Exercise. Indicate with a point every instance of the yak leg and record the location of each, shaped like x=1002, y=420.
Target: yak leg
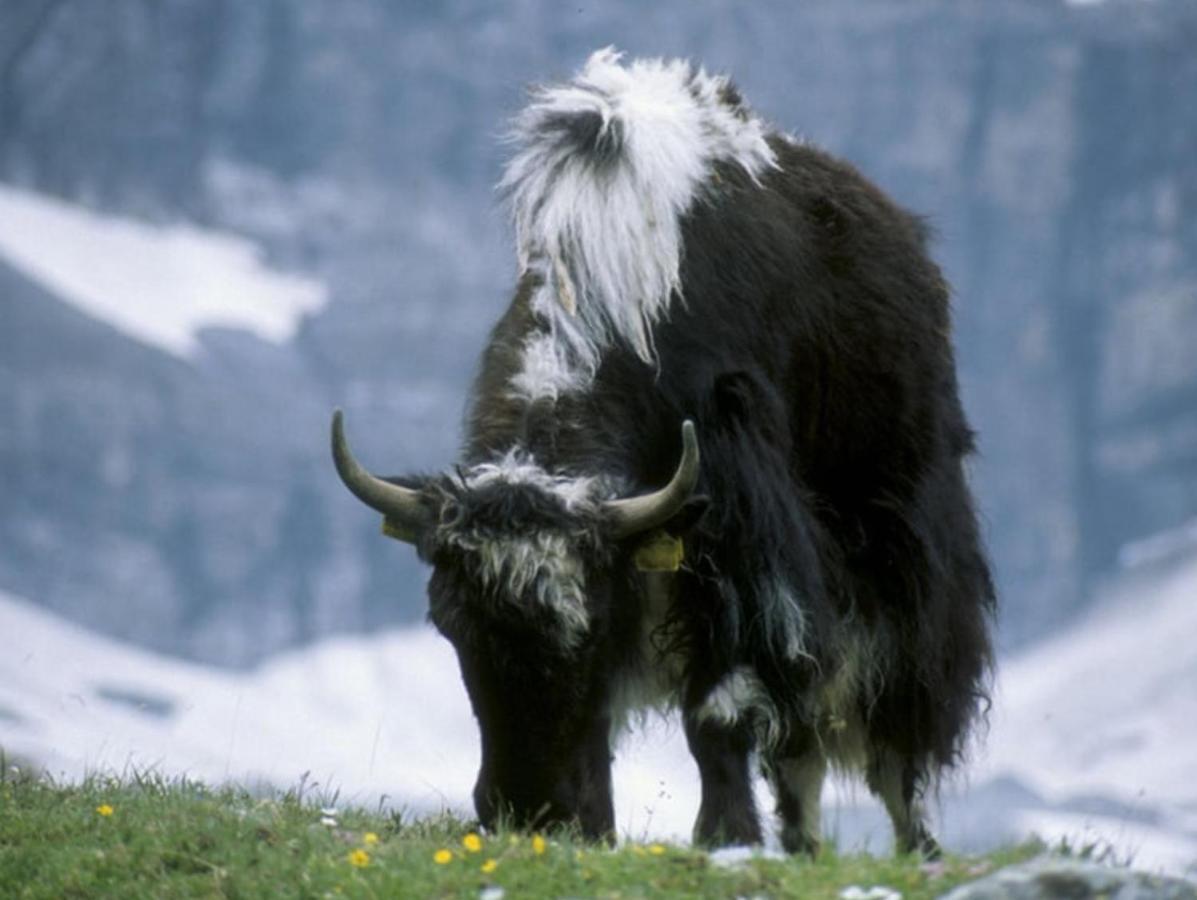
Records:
x=727, y=814
x=796, y=773
x=897, y=782
x=595, y=806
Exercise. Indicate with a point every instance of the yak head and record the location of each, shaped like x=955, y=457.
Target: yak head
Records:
x=530, y=584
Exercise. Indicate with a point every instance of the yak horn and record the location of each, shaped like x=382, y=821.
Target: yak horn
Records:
x=634, y=515
x=400, y=505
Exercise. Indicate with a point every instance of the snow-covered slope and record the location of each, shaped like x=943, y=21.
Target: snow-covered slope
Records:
x=159, y=284
x=370, y=717
x=1101, y=722
x=1094, y=736
x=1085, y=711
x=378, y=716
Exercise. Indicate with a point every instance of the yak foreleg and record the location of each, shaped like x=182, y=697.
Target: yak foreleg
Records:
x=727, y=814
x=796, y=772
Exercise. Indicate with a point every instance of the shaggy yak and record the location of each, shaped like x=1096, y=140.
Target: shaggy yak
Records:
x=812, y=589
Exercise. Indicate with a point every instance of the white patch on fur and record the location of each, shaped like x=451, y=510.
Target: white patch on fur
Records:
x=605, y=235
x=543, y=565
x=547, y=371
x=547, y=565
x=739, y=691
x=741, y=694
x=518, y=467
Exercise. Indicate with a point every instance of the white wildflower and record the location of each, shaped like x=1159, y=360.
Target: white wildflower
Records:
x=876, y=892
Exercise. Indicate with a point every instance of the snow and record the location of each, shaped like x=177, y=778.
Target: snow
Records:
x=370, y=717
x=1107, y=712
x=1088, y=707
x=159, y=284
x=1093, y=738
x=1160, y=547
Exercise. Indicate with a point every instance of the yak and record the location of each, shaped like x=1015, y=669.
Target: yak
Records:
x=811, y=589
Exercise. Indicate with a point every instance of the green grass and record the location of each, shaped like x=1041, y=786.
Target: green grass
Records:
x=180, y=839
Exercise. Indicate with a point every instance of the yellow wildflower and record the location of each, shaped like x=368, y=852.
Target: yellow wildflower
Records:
x=472, y=842
x=538, y=844
x=637, y=849
x=489, y=866
x=370, y=838
x=359, y=858
x=105, y=810
x=442, y=856
x=656, y=849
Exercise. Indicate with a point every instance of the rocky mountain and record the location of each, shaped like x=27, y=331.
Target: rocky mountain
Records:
x=187, y=503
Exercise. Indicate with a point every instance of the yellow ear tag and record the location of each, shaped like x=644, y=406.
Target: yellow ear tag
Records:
x=662, y=552
x=393, y=529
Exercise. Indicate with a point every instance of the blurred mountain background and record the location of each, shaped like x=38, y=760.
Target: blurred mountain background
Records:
x=166, y=480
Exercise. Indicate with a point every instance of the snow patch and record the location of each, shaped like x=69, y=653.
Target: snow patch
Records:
x=1159, y=547
x=1101, y=721
x=159, y=284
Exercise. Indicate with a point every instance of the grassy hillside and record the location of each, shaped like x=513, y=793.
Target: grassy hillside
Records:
x=143, y=836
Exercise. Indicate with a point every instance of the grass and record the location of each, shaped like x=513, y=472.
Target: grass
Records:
x=146, y=836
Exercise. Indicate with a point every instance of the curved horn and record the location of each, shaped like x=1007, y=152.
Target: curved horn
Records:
x=637, y=514
x=400, y=505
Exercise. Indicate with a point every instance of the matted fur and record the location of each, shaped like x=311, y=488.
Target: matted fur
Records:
x=541, y=563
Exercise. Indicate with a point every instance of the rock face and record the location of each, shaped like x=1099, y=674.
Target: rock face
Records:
x=1050, y=145
x=1051, y=878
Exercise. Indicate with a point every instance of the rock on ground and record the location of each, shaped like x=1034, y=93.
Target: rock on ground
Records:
x=1054, y=878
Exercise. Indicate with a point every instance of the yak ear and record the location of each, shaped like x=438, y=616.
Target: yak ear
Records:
x=687, y=518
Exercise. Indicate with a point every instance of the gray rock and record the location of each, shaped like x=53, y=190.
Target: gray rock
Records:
x=1071, y=879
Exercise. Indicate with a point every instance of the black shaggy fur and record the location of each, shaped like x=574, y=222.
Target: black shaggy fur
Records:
x=811, y=347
